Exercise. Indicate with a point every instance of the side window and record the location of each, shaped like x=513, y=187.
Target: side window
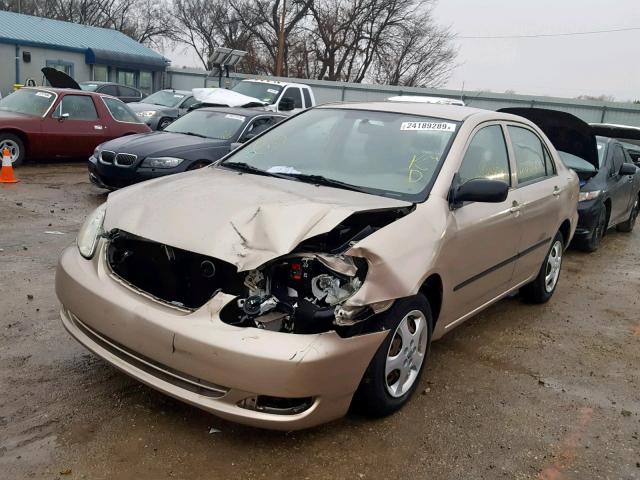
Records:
x=530, y=155
x=294, y=94
x=307, y=98
x=259, y=125
x=127, y=92
x=120, y=111
x=486, y=157
x=548, y=162
x=188, y=102
x=109, y=90
x=618, y=160
x=78, y=107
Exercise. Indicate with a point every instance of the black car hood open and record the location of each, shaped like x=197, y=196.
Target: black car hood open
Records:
x=566, y=132
x=58, y=79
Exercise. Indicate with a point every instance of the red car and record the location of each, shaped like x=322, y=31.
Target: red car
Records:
x=61, y=123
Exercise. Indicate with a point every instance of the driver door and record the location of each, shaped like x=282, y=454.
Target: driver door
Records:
x=620, y=186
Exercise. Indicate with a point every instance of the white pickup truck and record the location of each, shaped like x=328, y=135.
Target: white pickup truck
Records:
x=272, y=95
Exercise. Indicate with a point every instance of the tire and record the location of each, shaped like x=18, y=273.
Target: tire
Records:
x=593, y=242
x=380, y=394
x=198, y=164
x=631, y=221
x=541, y=289
x=164, y=123
x=16, y=147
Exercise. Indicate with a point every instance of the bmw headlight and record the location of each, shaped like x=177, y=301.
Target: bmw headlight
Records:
x=87, y=238
x=147, y=113
x=585, y=196
x=161, y=162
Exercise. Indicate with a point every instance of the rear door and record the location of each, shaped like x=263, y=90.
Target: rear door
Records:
x=537, y=196
x=73, y=128
x=620, y=187
x=484, y=242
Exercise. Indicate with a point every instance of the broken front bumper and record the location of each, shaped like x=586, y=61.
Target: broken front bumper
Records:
x=195, y=357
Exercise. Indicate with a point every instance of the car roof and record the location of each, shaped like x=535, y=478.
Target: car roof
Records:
x=64, y=91
x=245, y=112
x=274, y=82
x=181, y=92
x=450, y=112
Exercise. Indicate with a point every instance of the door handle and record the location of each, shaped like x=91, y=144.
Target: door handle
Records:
x=515, y=207
x=556, y=191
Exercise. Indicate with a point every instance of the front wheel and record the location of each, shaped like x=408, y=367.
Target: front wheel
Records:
x=541, y=289
x=394, y=372
x=164, y=123
x=14, y=144
x=631, y=221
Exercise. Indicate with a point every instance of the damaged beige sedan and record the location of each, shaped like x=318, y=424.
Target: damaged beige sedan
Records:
x=312, y=268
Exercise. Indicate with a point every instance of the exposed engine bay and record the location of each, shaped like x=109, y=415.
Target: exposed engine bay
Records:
x=298, y=293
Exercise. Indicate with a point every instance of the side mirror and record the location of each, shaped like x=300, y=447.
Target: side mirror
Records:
x=235, y=145
x=63, y=117
x=246, y=137
x=286, y=104
x=627, y=169
x=479, y=190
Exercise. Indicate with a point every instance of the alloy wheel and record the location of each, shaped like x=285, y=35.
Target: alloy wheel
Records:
x=406, y=353
x=14, y=149
x=552, y=270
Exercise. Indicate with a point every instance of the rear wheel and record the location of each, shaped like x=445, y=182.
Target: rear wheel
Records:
x=394, y=372
x=542, y=288
x=631, y=221
x=15, y=146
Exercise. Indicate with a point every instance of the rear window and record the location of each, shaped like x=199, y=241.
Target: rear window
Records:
x=119, y=110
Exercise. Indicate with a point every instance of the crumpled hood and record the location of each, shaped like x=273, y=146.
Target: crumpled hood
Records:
x=222, y=96
x=243, y=219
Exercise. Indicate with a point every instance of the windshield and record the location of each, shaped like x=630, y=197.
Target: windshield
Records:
x=217, y=125
x=387, y=154
x=89, y=87
x=602, y=150
x=164, y=98
x=28, y=101
x=262, y=91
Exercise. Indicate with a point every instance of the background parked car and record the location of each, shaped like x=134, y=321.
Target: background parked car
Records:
x=162, y=107
x=193, y=141
x=61, y=123
x=124, y=93
x=609, y=181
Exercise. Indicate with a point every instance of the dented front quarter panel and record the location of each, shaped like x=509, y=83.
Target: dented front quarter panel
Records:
x=243, y=219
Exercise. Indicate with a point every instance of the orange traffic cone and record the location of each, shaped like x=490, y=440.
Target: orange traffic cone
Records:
x=6, y=174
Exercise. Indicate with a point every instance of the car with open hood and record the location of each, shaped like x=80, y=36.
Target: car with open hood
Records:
x=49, y=123
x=609, y=180
x=313, y=266
x=161, y=108
x=193, y=141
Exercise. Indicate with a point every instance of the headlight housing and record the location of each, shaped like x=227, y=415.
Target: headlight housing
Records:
x=147, y=113
x=585, y=196
x=161, y=162
x=87, y=238
x=96, y=151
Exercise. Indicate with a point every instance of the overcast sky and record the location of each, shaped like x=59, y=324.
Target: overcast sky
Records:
x=567, y=66
x=561, y=66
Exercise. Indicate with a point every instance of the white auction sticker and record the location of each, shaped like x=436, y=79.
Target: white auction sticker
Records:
x=177, y=95
x=430, y=126
x=240, y=118
x=43, y=94
x=271, y=90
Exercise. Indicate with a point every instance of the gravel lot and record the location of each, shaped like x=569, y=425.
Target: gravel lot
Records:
x=520, y=391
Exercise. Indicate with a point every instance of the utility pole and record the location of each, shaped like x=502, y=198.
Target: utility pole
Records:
x=280, y=59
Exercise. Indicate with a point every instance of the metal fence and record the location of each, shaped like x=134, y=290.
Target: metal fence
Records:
x=328, y=91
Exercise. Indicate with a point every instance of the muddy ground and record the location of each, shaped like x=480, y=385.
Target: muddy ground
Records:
x=549, y=392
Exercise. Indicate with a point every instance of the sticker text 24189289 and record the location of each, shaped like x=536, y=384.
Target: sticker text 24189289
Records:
x=431, y=126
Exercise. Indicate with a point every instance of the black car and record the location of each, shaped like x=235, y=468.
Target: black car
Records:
x=193, y=141
x=124, y=93
x=609, y=181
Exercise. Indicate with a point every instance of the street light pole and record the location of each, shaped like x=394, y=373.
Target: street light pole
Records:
x=280, y=59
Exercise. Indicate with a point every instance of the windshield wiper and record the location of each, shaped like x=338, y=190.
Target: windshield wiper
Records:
x=193, y=134
x=245, y=167
x=325, y=181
